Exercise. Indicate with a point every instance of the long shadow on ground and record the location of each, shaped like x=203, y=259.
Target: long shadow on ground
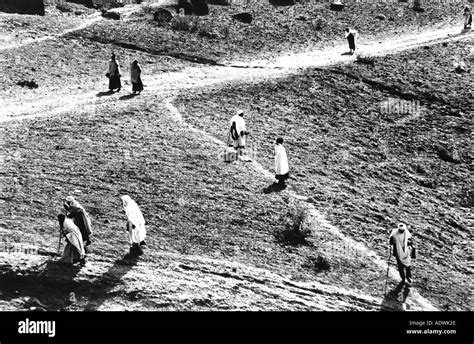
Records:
x=395, y=298
x=120, y=268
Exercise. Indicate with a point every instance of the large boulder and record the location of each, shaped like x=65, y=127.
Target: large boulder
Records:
x=336, y=6
x=218, y=2
x=87, y=3
x=243, y=17
x=111, y=14
x=22, y=6
x=200, y=7
x=184, y=7
x=197, y=7
x=282, y=2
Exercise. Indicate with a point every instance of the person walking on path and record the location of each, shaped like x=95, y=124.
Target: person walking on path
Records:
x=352, y=36
x=238, y=132
x=467, y=18
x=403, y=251
x=135, y=77
x=281, y=163
x=114, y=74
x=74, y=251
x=135, y=225
x=80, y=217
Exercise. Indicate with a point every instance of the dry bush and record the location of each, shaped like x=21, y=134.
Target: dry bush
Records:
x=366, y=59
x=185, y=23
x=296, y=229
x=317, y=264
x=319, y=23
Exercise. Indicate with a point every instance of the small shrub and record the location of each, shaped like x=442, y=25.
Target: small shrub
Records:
x=64, y=7
x=296, y=229
x=319, y=23
x=223, y=31
x=148, y=8
x=367, y=60
x=184, y=23
x=206, y=31
x=317, y=264
x=28, y=83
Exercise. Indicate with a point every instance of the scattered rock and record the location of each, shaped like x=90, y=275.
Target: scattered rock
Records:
x=460, y=67
x=282, y=2
x=317, y=264
x=381, y=17
x=218, y=2
x=456, y=224
x=185, y=8
x=243, y=17
x=336, y=6
x=449, y=155
x=23, y=6
x=28, y=83
x=427, y=183
x=162, y=16
x=200, y=7
x=417, y=7
x=111, y=14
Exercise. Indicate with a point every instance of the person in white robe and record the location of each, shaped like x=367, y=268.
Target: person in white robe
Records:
x=238, y=131
x=135, y=225
x=401, y=240
x=281, y=162
x=74, y=251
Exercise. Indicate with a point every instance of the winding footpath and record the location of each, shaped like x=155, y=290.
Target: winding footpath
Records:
x=310, y=295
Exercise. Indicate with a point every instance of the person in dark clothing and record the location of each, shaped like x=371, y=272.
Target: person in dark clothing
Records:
x=81, y=219
x=114, y=74
x=352, y=36
x=467, y=18
x=135, y=77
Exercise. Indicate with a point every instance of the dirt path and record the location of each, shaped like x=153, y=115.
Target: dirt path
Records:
x=318, y=222
x=191, y=277
x=168, y=84
x=87, y=22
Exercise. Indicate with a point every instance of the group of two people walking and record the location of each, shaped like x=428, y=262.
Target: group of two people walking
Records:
x=114, y=74
x=75, y=227
x=238, y=133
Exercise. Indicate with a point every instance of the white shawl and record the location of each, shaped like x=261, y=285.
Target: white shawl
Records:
x=73, y=234
x=135, y=218
x=281, y=160
x=401, y=244
x=239, y=124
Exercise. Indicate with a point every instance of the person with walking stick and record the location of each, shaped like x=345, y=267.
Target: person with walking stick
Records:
x=403, y=251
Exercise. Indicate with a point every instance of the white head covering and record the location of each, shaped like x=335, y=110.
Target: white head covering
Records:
x=401, y=226
x=132, y=211
x=401, y=243
x=135, y=217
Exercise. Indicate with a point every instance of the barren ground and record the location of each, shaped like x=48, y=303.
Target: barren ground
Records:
x=212, y=230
